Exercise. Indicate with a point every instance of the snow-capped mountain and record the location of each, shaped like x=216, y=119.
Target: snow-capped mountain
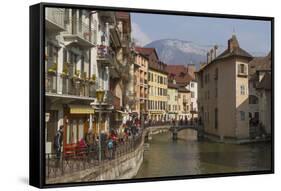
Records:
x=174, y=51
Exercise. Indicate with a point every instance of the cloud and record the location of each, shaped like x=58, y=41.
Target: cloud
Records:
x=140, y=37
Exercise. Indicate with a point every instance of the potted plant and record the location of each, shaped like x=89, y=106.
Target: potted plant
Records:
x=53, y=69
x=76, y=76
x=84, y=75
x=65, y=71
x=93, y=79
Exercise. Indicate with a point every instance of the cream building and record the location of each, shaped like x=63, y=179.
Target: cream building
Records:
x=173, y=103
x=80, y=49
x=223, y=93
x=184, y=102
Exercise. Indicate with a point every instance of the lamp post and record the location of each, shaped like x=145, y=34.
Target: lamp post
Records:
x=141, y=115
x=99, y=96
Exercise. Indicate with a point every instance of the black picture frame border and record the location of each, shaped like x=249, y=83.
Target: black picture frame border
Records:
x=37, y=94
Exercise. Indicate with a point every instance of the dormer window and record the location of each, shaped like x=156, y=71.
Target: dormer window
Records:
x=242, y=70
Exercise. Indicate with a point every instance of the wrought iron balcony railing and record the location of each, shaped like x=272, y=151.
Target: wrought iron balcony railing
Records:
x=66, y=85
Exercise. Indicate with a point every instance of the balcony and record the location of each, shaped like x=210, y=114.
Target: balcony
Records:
x=115, y=36
x=62, y=85
x=80, y=34
x=105, y=55
x=55, y=19
x=112, y=99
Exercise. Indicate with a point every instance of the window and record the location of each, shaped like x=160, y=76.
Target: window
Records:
x=80, y=20
x=216, y=74
x=242, y=90
x=192, y=95
x=192, y=85
x=242, y=69
x=253, y=99
x=242, y=115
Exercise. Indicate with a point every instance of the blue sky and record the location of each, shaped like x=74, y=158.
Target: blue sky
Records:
x=254, y=36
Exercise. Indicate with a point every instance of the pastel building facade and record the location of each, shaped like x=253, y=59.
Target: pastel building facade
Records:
x=223, y=93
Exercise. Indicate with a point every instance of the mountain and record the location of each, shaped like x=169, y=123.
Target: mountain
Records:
x=174, y=51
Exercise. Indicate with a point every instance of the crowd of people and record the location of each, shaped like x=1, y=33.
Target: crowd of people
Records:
x=109, y=141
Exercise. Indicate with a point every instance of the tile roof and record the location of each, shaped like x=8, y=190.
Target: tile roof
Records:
x=179, y=73
x=233, y=49
x=146, y=51
x=265, y=83
x=172, y=85
x=260, y=63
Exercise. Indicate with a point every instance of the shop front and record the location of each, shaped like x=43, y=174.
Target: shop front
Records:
x=78, y=121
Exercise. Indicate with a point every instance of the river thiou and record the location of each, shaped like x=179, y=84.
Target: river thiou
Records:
x=187, y=156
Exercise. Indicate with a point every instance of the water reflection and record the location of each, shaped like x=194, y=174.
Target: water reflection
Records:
x=186, y=156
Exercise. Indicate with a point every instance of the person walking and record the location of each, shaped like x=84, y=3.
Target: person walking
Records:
x=58, y=143
x=110, y=148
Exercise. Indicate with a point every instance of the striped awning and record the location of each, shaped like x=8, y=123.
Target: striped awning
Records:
x=81, y=109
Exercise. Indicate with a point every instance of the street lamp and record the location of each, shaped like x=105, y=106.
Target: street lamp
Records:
x=141, y=114
x=99, y=96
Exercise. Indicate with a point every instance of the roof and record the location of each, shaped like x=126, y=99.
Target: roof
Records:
x=265, y=83
x=172, y=85
x=233, y=50
x=179, y=73
x=260, y=64
x=146, y=51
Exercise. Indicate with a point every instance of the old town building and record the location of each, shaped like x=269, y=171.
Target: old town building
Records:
x=157, y=85
x=84, y=51
x=223, y=93
x=184, y=77
x=140, y=85
x=260, y=96
x=173, y=102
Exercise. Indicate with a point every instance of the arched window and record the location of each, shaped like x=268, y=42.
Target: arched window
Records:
x=253, y=99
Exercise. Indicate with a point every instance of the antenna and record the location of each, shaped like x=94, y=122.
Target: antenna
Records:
x=233, y=31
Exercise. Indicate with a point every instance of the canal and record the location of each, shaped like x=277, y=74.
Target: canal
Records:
x=187, y=156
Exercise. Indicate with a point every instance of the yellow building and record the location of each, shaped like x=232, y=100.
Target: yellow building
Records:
x=223, y=93
x=157, y=85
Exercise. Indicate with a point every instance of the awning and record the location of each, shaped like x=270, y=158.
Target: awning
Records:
x=81, y=109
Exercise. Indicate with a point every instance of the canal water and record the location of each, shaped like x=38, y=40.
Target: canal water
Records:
x=187, y=156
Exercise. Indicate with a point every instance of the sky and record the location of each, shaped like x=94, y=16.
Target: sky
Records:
x=253, y=35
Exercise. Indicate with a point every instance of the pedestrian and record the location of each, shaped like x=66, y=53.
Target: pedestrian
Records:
x=58, y=142
x=110, y=148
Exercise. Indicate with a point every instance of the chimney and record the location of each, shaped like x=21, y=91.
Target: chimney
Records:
x=208, y=55
x=233, y=43
x=211, y=55
x=215, y=51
